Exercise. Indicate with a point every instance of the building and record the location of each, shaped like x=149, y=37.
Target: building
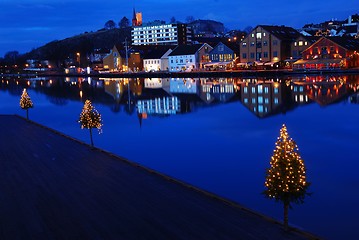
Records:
x=157, y=59
x=189, y=57
x=121, y=60
x=223, y=55
x=330, y=53
x=136, y=19
x=164, y=34
x=267, y=45
x=300, y=44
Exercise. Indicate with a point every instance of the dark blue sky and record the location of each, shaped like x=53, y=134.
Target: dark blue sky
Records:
x=27, y=24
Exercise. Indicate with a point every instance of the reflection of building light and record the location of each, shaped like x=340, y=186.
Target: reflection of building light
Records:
x=28, y=83
x=276, y=85
x=81, y=94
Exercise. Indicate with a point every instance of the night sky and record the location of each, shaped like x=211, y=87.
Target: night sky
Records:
x=28, y=24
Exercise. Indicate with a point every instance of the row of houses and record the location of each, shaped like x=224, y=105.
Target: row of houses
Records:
x=266, y=46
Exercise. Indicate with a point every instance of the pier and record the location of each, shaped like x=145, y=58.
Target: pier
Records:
x=55, y=187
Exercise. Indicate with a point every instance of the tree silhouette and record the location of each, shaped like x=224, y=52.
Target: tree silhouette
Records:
x=90, y=118
x=286, y=177
x=110, y=24
x=173, y=20
x=25, y=102
x=124, y=23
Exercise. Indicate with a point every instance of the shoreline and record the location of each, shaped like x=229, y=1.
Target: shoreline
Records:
x=194, y=74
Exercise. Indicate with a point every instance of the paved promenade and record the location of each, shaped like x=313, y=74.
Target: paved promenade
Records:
x=54, y=187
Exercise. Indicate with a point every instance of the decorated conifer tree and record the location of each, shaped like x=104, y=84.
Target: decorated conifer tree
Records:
x=90, y=118
x=25, y=102
x=286, y=178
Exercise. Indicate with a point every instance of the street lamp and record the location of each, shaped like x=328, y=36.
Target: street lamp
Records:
x=79, y=58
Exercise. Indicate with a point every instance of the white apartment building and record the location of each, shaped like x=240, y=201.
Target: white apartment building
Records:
x=165, y=34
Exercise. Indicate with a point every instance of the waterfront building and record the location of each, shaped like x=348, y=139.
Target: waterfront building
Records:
x=267, y=45
x=157, y=60
x=330, y=53
x=120, y=59
x=222, y=55
x=163, y=34
x=189, y=57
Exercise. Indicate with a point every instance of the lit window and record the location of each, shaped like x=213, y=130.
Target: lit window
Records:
x=295, y=43
x=259, y=35
x=300, y=43
x=252, y=35
x=260, y=89
x=245, y=89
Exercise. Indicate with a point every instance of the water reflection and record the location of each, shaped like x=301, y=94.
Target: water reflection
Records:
x=148, y=97
x=232, y=124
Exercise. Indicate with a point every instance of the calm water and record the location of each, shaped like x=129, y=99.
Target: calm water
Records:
x=219, y=134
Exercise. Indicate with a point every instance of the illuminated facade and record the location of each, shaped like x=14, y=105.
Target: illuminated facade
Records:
x=157, y=60
x=165, y=34
x=136, y=19
x=267, y=45
x=330, y=53
x=188, y=57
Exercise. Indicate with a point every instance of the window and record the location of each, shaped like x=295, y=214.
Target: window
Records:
x=305, y=43
x=276, y=101
x=245, y=89
x=244, y=55
x=244, y=44
x=221, y=48
x=260, y=108
x=295, y=44
x=260, y=100
x=266, y=90
x=260, y=89
x=265, y=43
x=259, y=35
x=246, y=100
x=265, y=54
x=300, y=43
x=276, y=90
x=252, y=35
x=252, y=55
x=275, y=42
x=252, y=44
x=275, y=54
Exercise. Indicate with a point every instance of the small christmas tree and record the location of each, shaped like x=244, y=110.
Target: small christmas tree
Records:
x=286, y=178
x=25, y=102
x=90, y=118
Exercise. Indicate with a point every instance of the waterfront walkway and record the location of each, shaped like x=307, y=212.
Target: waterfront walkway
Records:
x=54, y=187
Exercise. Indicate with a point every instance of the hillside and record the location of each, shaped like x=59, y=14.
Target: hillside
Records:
x=58, y=51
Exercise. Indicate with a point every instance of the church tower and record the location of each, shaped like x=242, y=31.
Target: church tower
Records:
x=136, y=18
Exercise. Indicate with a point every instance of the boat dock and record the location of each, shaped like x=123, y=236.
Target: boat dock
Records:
x=55, y=187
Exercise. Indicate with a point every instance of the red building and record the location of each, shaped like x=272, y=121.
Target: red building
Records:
x=330, y=53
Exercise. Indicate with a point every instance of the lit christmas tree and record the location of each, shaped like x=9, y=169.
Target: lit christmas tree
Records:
x=286, y=177
x=90, y=118
x=25, y=102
